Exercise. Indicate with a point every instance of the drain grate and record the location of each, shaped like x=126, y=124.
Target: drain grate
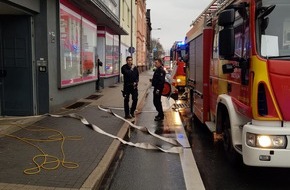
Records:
x=182, y=105
x=112, y=86
x=77, y=105
x=93, y=97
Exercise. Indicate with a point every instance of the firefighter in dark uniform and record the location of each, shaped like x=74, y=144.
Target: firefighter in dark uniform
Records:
x=131, y=79
x=158, y=81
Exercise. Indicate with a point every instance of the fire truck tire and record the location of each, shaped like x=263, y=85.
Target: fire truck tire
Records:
x=230, y=152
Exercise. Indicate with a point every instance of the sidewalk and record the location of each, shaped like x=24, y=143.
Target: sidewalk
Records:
x=83, y=155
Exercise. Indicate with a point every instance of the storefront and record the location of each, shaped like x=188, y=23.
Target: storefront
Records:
x=52, y=61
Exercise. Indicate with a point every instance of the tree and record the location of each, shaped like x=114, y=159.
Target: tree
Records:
x=156, y=48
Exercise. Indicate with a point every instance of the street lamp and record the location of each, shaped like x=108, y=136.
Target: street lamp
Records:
x=157, y=38
x=155, y=49
x=131, y=32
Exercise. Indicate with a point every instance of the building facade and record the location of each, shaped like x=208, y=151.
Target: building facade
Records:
x=141, y=49
x=149, y=55
x=48, y=52
x=128, y=22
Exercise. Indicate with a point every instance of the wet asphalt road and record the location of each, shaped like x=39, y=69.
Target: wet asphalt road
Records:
x=218, y=174
x=140, y=169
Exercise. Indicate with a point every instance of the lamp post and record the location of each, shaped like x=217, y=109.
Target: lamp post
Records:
x=151, y=56
x=155, y=49
x=131, y=40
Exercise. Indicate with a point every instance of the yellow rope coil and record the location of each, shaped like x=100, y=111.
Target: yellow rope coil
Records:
x=43, y=160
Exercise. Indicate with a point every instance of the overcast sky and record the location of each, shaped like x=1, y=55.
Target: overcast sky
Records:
x=174, y=18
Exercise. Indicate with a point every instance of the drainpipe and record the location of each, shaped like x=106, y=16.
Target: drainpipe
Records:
x=131, y=26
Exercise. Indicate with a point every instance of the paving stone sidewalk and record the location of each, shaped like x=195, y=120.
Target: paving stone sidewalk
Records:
x=83, y=155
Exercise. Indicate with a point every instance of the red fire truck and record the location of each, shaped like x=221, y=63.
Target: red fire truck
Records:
x=167, y=63
x=178, y=56
x=239, y=76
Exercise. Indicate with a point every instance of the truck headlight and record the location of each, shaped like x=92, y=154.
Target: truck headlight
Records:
x=178, y=80
x=266, y=141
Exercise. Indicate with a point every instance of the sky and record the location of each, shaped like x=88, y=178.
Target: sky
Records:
x=174, y=18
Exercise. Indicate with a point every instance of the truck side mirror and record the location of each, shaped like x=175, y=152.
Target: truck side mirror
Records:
x=227, y=35
x=227, y=43
x=226, y=17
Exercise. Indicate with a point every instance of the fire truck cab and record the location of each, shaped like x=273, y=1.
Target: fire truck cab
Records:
x=239, y=70
x=178, y=56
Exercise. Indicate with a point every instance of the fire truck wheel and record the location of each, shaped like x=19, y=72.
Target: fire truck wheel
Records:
x=230, y=152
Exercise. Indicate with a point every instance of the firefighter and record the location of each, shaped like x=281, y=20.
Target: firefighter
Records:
x=158, y=81
x=131, y=79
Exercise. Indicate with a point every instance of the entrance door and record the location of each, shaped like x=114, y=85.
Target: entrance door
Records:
x=16, y=66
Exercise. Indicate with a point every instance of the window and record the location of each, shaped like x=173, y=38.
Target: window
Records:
x=89, y=31
x=108, y=50
x=77, y=48
x=273, y=28
x=242, y=36
x=215, y=52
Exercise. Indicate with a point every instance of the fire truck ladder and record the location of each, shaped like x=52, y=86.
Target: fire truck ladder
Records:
x=212, y=10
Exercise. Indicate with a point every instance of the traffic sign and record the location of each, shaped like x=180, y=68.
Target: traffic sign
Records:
x=131, y=49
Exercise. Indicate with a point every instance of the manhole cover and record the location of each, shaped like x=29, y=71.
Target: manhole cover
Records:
x=77, y=105
x=93, y=97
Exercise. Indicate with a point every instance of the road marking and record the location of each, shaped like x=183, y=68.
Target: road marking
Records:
x=191, y=173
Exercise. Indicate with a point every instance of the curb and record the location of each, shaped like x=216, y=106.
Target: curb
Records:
x=94, y=181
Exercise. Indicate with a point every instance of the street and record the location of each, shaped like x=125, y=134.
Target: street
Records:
x=218, y=173
x=147, y=169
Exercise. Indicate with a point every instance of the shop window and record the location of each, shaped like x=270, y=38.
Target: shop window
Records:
x=77, y=48
x=108, y=48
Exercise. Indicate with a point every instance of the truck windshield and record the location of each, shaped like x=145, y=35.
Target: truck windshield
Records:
x=182, y=53
x=273, y=28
